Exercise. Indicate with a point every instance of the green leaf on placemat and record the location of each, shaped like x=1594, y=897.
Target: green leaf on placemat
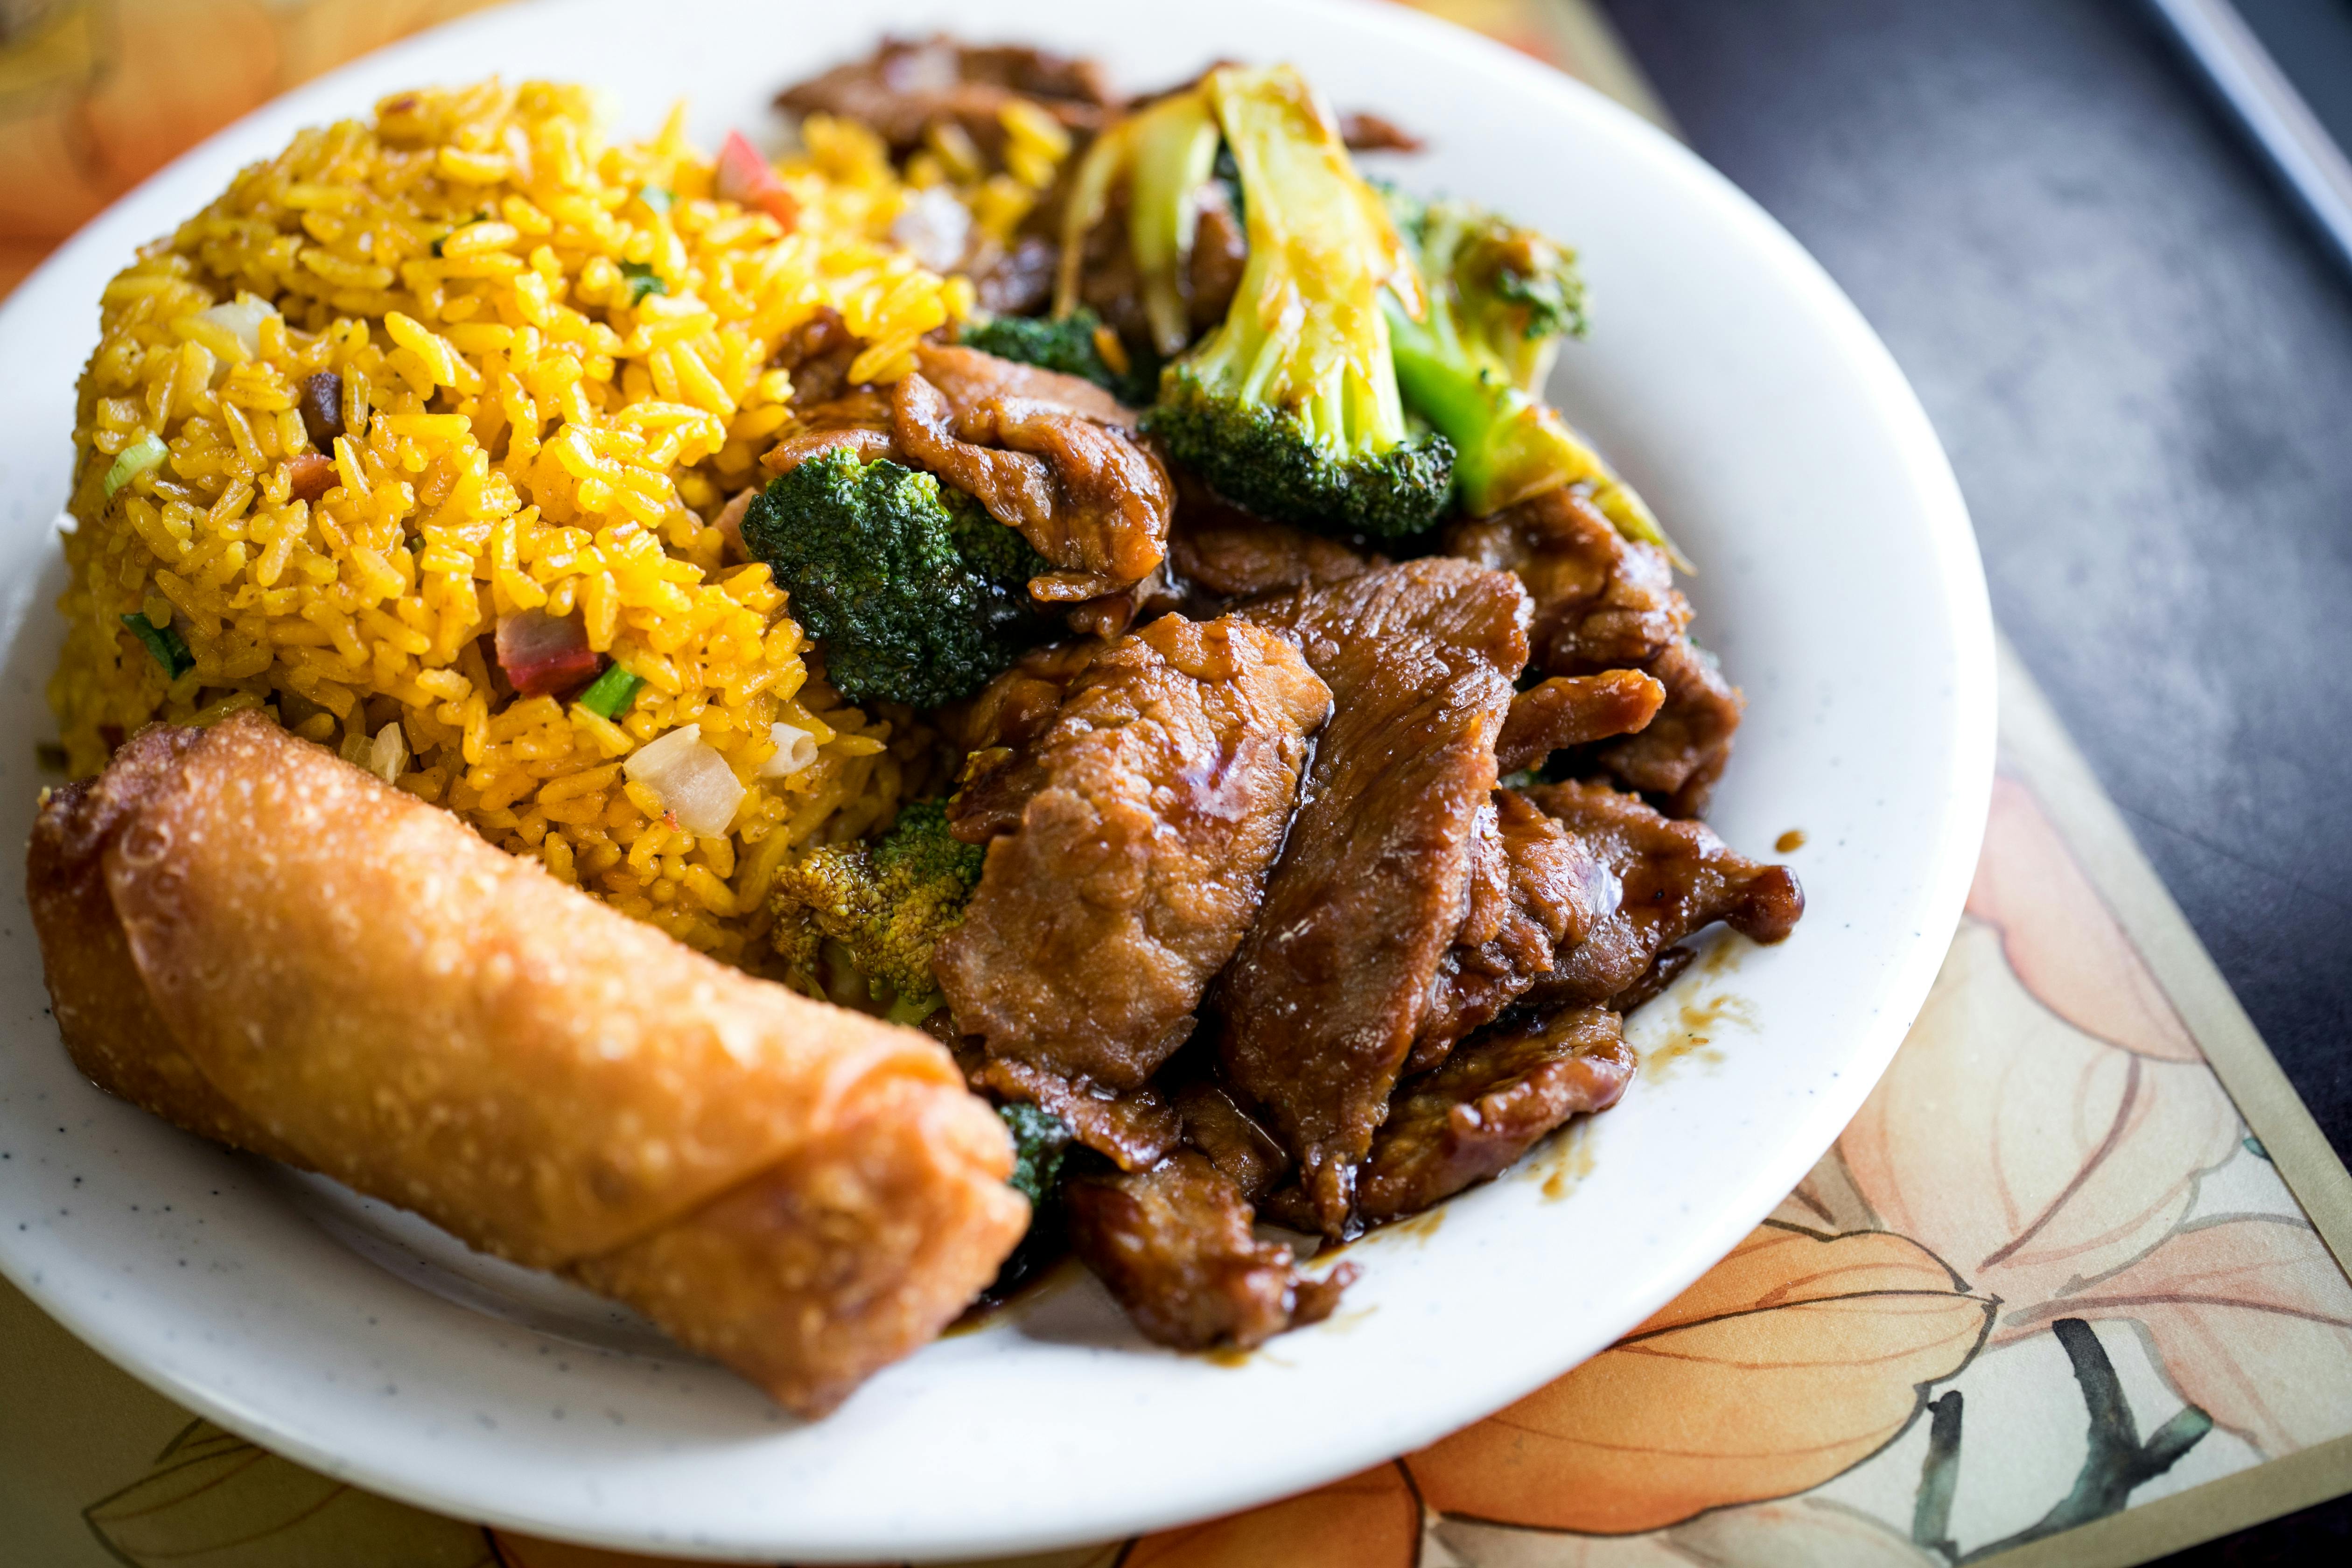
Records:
x=215, y=1500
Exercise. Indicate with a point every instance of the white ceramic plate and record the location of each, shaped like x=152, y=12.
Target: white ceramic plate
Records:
x=1743, y=395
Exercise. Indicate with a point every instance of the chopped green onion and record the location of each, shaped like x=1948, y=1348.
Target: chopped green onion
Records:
x=482, y=217
x=165, y=643
x=654, y=196
x=642, y=280
x=145, y=453
x=609, y=696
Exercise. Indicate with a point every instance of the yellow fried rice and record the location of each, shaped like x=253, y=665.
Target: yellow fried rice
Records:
x=519, y=435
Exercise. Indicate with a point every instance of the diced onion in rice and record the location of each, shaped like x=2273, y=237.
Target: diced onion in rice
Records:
x=388, y=754
x=692, y=780
x=795, y=749
x=242, y=319
x=935, y=228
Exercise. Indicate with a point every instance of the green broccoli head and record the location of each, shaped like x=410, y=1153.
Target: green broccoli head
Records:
x=1070, y=345
x=917, y=594
x=888, y=903
x=1499, y=299
x=1291, y=407
x=1267, y=460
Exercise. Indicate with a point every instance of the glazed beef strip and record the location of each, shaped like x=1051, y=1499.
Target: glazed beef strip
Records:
x=1679, y=757
x=1491, y=1099
x=1174, y=1246
x=818, y=353
x=1603, y=602
x=1231, y=1139
x=1678, y=877
x=1229, y=554
x=1129, y=838
x=1333, y=984
x=1534, y=891
x=1134, y=1130
x=1051, y=455
x=911, y=85
x=1575, y=711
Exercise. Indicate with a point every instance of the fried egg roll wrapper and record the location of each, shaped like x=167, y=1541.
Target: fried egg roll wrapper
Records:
x=803, y=1192
x=107, y=1019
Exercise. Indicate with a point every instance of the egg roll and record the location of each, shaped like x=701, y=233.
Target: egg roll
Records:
x=268, y=946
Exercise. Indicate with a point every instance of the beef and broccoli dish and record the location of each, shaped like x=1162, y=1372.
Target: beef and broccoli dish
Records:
x=1328, y=739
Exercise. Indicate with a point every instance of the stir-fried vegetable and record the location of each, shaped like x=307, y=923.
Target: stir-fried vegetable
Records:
x=887, y=903
x=918, y=594
x=1291, y=407
x=541, y=652
x=610, y=694
x=169, y=650
x=1165, y=153
x=146, y=453
x=745, y=177
x=1041, y=1141
x=1498, y=299
x=690, y=779
x=1073, y=345
x=643, y=281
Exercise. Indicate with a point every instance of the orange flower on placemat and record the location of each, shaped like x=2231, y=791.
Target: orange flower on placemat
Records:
x=2253, y=1319
x=1793, y=1359
x=2049, y=1118
x=1369, y=1520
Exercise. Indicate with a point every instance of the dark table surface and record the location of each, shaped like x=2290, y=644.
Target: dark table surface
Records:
x=2141, y=364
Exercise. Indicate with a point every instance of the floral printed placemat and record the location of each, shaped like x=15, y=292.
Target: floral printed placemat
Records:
x=2067, y=1290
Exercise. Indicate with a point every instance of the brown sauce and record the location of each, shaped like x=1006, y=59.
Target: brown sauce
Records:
x=1789, y=843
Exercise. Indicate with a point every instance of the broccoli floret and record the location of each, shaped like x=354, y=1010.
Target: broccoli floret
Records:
x=1070, y=345
x=1500, y=300
x=1040, y=1142
x=917, y=594
x=1291, y=407
x=888, y=903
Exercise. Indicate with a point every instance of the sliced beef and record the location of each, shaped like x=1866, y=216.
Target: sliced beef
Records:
x=909, y=84
x=1113, y=614
x=1493, y=1098
x=1231, y=1139
x=1677, y=876
x=1134, y=1130
x=1129, y=839
x=1603, y=602
x=1091, y=499
x=1013, y=709
x=1018, y=281
x=1333, y=984
x=1365, y=131
x=1663, y=971
x=1679, y=755
x=1230, y=554
x=1575, y=711
x=865, y=445
x=818, y=354
x=1534, y=891
x=1174, y=1246
x=968, y=379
